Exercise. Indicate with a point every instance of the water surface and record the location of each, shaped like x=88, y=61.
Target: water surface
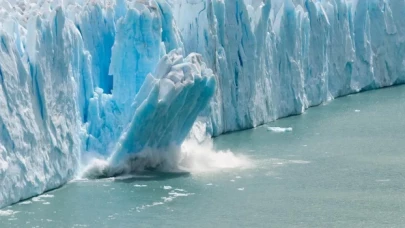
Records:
x=342, y=165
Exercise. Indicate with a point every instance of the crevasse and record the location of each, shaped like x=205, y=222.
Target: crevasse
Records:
x=116, y=78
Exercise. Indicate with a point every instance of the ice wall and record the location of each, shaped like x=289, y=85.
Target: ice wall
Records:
x=277, y=58
x=78, y=78
x=116, y=78
x=41, y=90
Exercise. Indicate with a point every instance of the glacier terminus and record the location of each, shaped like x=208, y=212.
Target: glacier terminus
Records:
x=129, y=81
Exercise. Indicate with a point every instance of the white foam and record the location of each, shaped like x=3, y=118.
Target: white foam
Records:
x=383, y=180
x=124, y=177
x=95, y=168
x=167, y=187
x=25, y=202
x=37, y=199
x=172, y=195
x=241, y=189
x=167, y=199
x=178, y=194
x=7, y=212
x=192, y=157
x=140, y=185
x=279, y=129
x=298, y=162
x=201, y=158
x=356, y=110
x=281, y=162
x=46, y=196
x=41, y=198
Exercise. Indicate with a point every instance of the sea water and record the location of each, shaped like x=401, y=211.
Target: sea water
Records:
x=341, y=164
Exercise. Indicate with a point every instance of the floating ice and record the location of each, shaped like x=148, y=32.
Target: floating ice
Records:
x=383, y=180
x=140, y=185
x=7, y=212
x=175, y=194
x=298, y=162
x=172, y=195
x=37, y=199
x=46, y=196
x=25, y=202
x=279, y=129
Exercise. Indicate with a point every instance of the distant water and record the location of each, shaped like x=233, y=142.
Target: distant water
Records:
x=338, y=165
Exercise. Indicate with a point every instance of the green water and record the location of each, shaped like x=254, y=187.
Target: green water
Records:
x=343, y=165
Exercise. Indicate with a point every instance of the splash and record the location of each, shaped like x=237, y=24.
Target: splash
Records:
x=192, y=157
x=200, y=158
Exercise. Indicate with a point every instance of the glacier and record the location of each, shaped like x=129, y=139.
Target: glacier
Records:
x=121, y=79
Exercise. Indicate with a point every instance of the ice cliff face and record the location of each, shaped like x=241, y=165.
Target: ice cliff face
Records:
x=277, y=58
x=117, y=78
x=40, y=120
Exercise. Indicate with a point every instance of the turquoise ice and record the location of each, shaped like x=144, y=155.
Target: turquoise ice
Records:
x=118, y=78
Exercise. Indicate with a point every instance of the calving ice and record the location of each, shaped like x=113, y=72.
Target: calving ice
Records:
x=122, y=79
